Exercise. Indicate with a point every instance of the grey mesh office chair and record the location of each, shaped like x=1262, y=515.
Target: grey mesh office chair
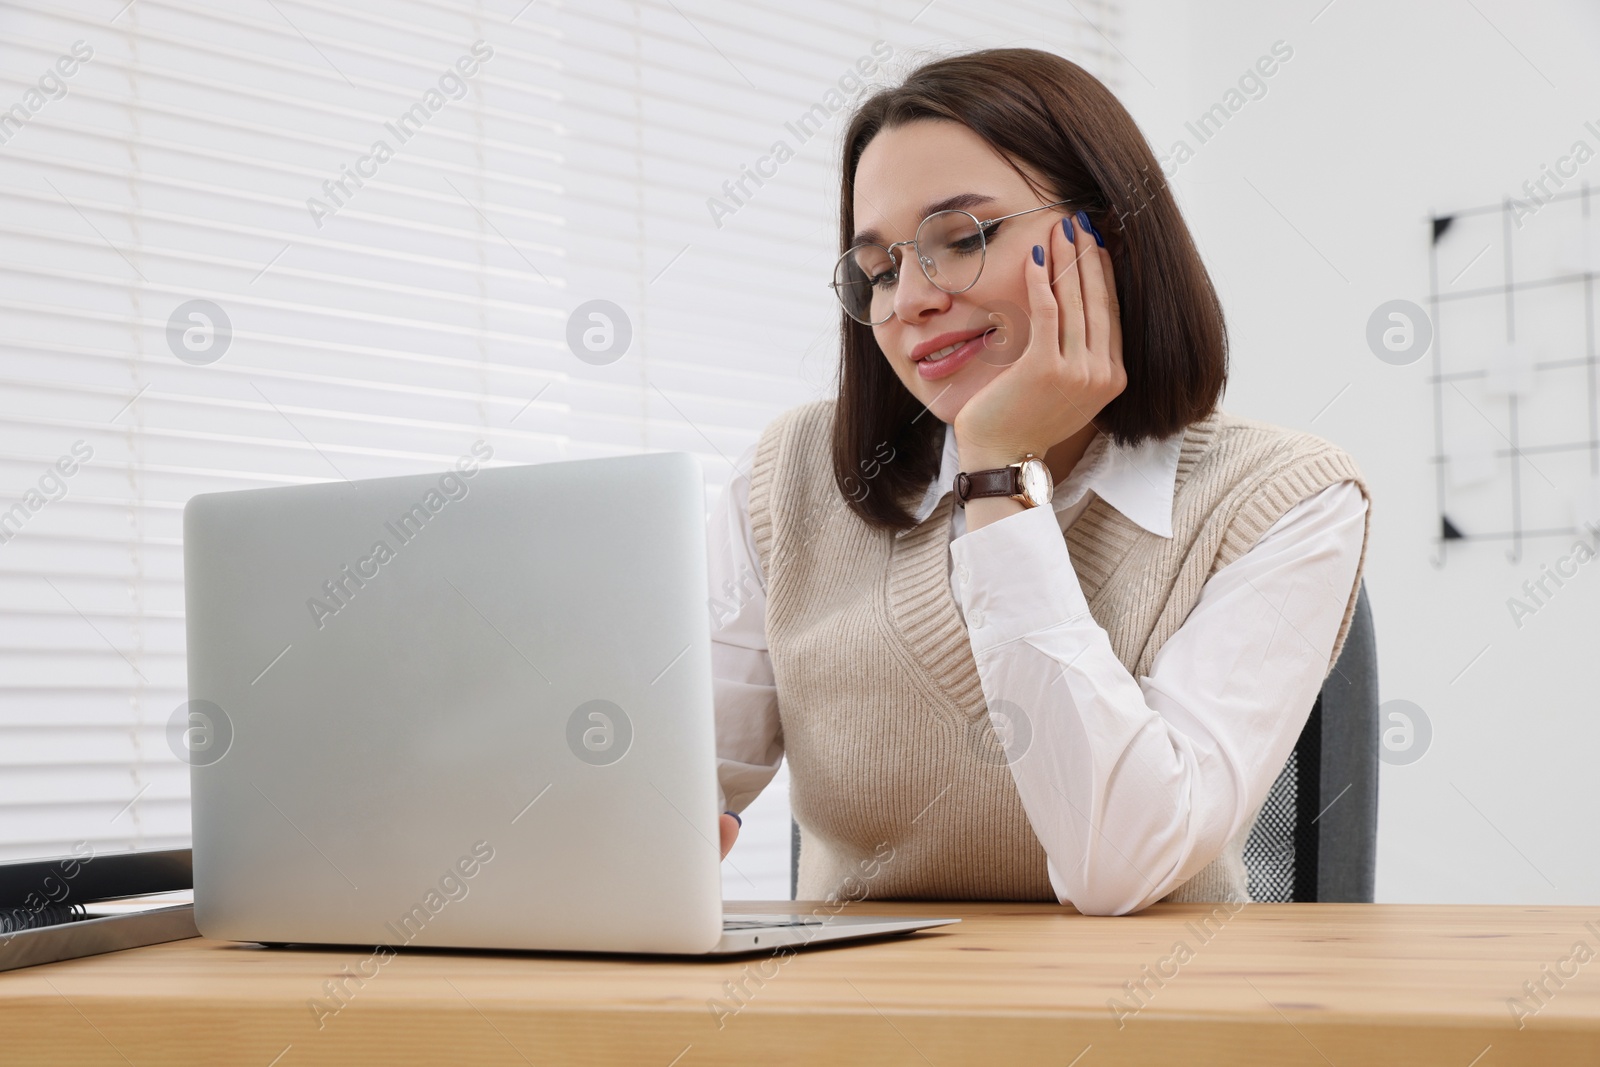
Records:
x=1316, y=838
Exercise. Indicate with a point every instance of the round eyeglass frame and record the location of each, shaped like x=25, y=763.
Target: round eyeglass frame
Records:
x=983, y=227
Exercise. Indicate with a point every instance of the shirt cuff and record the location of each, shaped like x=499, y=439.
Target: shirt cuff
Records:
x=1015, y=577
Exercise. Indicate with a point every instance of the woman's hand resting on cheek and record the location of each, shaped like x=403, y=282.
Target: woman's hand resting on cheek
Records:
x=1072, y=365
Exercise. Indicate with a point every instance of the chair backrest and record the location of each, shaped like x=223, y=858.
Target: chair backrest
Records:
x=1316, y=838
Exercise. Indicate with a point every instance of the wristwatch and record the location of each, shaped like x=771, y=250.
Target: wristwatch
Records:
x=1027, y=481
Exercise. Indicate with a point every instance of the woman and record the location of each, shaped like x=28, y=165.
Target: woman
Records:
x=1030, y=617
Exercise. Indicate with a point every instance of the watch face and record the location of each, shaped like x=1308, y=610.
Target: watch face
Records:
x=1036, y=481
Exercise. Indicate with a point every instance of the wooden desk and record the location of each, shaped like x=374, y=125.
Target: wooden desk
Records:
x=1281, y=984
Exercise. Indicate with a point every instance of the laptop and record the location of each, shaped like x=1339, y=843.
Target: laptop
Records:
x=470, y=709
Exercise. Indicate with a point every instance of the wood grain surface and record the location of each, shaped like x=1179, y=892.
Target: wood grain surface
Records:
x=1281, y=984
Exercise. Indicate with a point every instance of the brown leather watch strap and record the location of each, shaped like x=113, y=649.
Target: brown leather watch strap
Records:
x=1001, y=481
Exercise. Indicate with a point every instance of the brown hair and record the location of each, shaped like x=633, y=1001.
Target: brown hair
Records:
x=1059, y=119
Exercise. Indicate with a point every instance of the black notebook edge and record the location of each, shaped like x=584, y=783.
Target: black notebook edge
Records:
x=94, y=876
x=91, y=937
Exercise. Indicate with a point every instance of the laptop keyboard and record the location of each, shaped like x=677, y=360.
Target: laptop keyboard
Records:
x=763, y=924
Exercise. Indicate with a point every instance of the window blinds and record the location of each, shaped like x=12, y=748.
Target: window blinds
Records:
x=269, y=242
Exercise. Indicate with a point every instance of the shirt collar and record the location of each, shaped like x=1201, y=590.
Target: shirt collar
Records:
x=1139, y=482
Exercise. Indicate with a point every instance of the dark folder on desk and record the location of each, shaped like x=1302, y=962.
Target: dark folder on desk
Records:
x=86, y=904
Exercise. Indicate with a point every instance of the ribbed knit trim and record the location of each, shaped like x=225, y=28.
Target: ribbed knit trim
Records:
x=1100, y=538
x=923, y=609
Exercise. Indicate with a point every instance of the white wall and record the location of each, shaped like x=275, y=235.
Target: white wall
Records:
x=1384, y=115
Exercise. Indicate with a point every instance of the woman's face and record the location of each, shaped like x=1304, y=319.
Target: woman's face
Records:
x=903, y=174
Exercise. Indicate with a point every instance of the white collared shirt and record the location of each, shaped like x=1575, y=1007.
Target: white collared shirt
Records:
x=1169, y=765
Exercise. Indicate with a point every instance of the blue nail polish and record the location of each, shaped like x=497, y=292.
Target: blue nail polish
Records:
x=1083, y=218
x=1066, y=227
x=735, y=817
x=1038, y=254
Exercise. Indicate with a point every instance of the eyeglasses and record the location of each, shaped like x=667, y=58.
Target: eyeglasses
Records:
x=950, y=245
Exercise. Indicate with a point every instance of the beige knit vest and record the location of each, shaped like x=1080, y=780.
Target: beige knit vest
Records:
x=893, y=779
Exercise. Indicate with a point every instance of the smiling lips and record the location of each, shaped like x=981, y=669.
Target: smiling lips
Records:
x=942, y=356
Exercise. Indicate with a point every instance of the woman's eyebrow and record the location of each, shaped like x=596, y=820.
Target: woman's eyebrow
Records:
x=959, y=200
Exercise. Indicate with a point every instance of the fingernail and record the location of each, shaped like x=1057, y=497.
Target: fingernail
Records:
x=735, y=817
x=1066, y=227
x=1083, y=218
x=1038, y=254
